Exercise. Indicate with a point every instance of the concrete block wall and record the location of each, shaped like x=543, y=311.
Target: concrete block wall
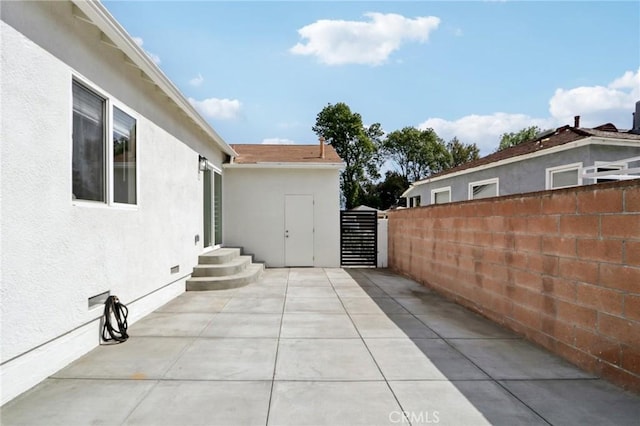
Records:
x=561, y=268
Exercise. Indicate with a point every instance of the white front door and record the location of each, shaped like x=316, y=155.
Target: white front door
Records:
x=298, y=230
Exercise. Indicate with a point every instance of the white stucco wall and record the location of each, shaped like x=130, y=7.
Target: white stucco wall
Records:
x=57, y=253
x=254, y=203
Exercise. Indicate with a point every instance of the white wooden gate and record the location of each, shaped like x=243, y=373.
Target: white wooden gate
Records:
x=383, y=227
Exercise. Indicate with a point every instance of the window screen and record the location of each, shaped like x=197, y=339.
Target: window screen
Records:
x=564, y=178
x=88, y=145
x=485, y=191
x=442, y=197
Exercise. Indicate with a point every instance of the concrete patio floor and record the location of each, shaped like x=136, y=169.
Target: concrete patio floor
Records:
x=321, y=347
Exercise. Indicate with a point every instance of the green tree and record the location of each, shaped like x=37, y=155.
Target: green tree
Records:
x=356, y=145
x=386, y=193
x=461, y=153
x=508, y=140
x=390, y=189
x=416, y=153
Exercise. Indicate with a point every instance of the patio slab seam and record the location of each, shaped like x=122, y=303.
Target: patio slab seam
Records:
x=492, y=379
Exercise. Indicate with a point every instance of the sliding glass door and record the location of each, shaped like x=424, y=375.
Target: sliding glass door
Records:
x=212, y=208
x=217, y=208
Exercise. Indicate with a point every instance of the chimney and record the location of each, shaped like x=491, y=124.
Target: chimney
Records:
x=636, y=120
x=576, y=121
x=321, y=146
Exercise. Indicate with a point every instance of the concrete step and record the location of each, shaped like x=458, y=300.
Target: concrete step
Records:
x=234, y=266
x=251, y=274
x=218, y=256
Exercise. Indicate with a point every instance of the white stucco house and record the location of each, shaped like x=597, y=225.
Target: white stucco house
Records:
x=112, y=183
x=281, y=204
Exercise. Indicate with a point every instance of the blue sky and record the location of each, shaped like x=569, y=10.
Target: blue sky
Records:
x=261, y=71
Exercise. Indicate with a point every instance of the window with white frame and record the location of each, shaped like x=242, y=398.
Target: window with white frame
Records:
x=564, y=176
x=604, y=166
x=484, y=189
x=89, y=152
x=103, y=169
x=414, y=201
x=441, y=195
x=124, y=157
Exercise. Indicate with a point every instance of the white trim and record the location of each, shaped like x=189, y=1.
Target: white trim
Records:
x=99, y=16
x=495, y=181
x=608, y=165
x=213, y=167
x=548, y=181
x=283, y=166
x=611, y=164
x=589, y=140
x=114, y=103
x=439, y=190
x=626, y=173
x=405, y=194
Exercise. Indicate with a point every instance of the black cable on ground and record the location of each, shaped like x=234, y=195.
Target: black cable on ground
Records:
x=114, y=310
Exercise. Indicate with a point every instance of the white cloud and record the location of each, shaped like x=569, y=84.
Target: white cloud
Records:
x=155, y=58
x=629, y=80
x=598, y=104
x=483, y=130
x=595, y=104
x=197, y=80
x=223, y=109
x=277, y=141
x=338, y=42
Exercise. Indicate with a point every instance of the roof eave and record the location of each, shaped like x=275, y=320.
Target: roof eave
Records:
x=283, y=165
x=101, y=18
x=569, y=145
x=407, y=191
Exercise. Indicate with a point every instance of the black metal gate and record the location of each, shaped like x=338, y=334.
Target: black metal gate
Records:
x=358, y=238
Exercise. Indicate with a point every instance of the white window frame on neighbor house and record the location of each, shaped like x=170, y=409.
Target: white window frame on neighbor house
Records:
x=435, y=192
x=561, y=169
x=608, y=166
x=109, y=106
x=491, y=181
x=415, y=201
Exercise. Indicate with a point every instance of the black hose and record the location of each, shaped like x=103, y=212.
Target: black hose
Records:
x=114, y=310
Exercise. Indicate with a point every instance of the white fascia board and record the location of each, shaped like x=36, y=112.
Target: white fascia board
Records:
x=101, y=18
x=405, y=194
x=591, y=140
x=317, y=166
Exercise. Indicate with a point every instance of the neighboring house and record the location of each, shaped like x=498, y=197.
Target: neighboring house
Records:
x=282, y=204
x=555, y=159
x=112, y=183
